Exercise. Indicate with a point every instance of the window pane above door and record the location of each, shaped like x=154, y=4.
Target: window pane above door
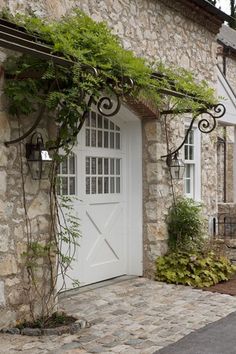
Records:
x=101, y=132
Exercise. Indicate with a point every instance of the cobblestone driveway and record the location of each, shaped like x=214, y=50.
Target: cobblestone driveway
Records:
x=133, y=316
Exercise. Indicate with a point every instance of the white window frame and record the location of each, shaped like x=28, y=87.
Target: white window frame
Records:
x=67, y=175
x=109, y=175
x=195, y=173
x=97, y=125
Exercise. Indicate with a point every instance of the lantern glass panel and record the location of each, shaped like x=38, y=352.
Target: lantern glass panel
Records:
x=177, y=168
x=35, y=168
x=46, y=168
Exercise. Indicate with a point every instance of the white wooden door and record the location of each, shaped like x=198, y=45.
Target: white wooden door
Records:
x=102, y=167
x=103, y=159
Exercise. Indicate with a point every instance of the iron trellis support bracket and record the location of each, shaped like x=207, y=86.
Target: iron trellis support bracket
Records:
x=205, y=125
x=107, y=105
x=17, y=38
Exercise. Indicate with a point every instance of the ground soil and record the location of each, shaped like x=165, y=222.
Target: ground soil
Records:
x=228, y=287
x=56, y=320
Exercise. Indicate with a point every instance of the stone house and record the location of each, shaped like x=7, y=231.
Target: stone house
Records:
x=122, y=182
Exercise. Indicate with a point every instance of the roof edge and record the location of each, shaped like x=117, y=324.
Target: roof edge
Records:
x=212, y=9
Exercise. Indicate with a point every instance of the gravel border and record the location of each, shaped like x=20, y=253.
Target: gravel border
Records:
x=68, y=329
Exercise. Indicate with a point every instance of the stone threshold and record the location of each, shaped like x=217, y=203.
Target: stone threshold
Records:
x=101, y=284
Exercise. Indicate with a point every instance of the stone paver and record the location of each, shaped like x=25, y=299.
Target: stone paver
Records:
x=134, y=316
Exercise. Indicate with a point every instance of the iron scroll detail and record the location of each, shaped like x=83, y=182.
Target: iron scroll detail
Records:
x=110, y=104
x=206, y=124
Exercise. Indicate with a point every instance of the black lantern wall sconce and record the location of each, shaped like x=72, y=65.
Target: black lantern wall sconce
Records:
x=176, y=166
x=38, y=158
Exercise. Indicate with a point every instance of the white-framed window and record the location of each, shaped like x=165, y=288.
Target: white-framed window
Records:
x=101, y=132
x=103, y=175
x=67, y=176
x=192, y=160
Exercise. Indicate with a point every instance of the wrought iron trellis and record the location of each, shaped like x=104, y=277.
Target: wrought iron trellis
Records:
x=17, y=38
x=205, y=125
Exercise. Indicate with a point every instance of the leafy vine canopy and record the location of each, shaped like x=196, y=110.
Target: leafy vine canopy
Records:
x=89, y=44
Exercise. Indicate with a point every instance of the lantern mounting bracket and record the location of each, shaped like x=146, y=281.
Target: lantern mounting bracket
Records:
x=206, y=125
x=171, y=157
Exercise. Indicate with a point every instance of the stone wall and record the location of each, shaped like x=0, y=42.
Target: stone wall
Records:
x=148, y=27
x=14, y=289
x=158, y=190
x=156, y=193
x=156, y=30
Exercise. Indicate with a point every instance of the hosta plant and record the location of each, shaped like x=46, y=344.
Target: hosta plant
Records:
x=194, y=269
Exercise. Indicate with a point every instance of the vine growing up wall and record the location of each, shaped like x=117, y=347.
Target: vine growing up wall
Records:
x=48, y=256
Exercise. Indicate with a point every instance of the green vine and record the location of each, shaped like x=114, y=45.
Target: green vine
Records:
x=48, y=257
x=64, y=90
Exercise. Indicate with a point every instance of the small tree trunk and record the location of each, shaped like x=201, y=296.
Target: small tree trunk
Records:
x=232, y=22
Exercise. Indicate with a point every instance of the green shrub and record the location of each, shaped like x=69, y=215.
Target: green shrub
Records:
x=185, y=225
x=194, y=269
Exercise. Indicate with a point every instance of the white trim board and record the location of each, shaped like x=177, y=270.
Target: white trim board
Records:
x=229, y=100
